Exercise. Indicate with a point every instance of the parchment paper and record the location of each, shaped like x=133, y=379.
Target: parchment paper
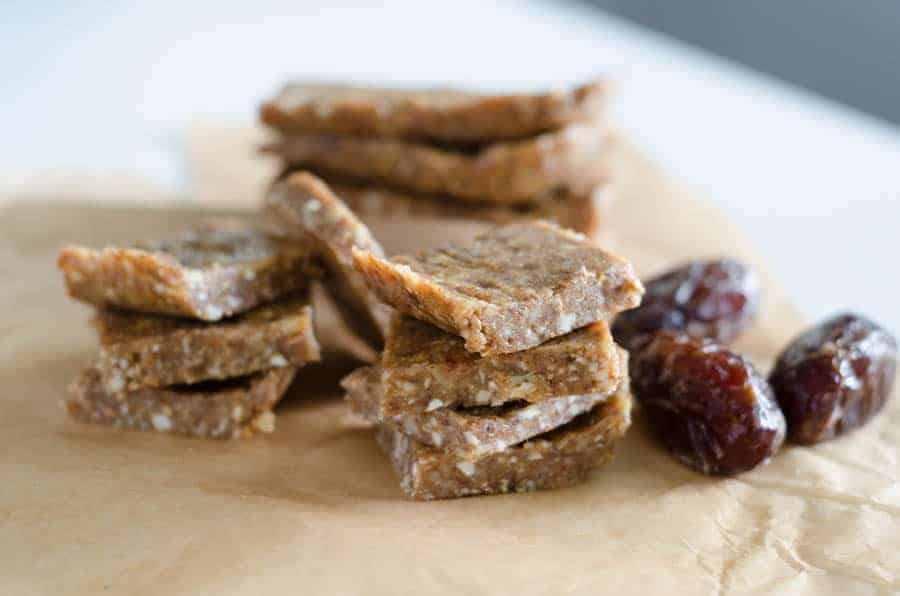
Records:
x=316, y=509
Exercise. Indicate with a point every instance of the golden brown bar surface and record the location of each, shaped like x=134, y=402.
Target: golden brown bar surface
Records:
x=303, y=207
x=573, y=159
x=154, y=351
x=232, y=409
x=444, y=115
x=560, y=458
x=423, y=368
x=511, y=289
x=206, y=273
x=469, y=432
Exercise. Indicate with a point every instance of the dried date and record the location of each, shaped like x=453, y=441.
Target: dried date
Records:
x=834, y=377
x=708, y=405
x=715, y=299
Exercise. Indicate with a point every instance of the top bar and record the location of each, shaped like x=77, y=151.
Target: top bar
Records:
x=443, y=115
x=207, y=273
x=513, y=288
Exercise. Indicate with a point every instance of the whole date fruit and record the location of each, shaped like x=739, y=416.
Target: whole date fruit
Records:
x=834, y=377
x=708, y=405
x=715, y=299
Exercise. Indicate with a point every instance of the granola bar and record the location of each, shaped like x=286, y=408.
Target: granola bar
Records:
x=236, y=408
x=423, y=368
x=445, y=115
x=572, y=159
x=302, y=206
x=579, y=213
x=153, y=351
x=474, y=431
x=207, y=273
x=560, y=458
x=511, y=289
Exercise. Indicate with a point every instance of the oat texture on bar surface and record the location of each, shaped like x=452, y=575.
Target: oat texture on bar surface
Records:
x=207, y=273
x=441, y=115
x=423, y=368
x=469, y=432
x=232, y=409
x=510, y=289
x=563, y=457
x=138, y=350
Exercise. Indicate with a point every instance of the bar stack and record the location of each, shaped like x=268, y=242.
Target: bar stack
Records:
x=446, y=154
x=499, y=372
x=200, y=335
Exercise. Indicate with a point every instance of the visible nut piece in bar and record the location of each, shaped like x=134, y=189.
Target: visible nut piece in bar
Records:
x=469, y=431
x=207, y=273
x=512, y=289
x=236, y=408
x=425, y=368
x=574, y=159
x=560, y=458
x=446, y=115
x=154, y=351
x=303, y=207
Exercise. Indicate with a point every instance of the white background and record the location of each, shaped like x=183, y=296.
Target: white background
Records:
x=105, y=86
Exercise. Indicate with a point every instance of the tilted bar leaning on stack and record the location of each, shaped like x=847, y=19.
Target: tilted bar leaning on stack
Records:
x=302, y=207
x=230, y=325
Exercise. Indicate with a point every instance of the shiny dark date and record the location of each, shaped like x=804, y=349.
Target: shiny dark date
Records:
x=834, y=377
x=714, y=299
x=708, y=405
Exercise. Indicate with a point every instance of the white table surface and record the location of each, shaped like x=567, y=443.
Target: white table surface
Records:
x=104, y=88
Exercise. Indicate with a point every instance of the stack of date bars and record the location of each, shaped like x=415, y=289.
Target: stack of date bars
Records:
x=499, y=372
x=447, y=154
x=200, y=335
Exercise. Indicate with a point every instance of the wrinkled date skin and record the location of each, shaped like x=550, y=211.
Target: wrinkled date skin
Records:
x=714, y=299
x=708, y=405
x=834, y=377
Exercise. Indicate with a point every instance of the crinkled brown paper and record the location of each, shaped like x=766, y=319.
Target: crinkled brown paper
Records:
x=316, y=509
